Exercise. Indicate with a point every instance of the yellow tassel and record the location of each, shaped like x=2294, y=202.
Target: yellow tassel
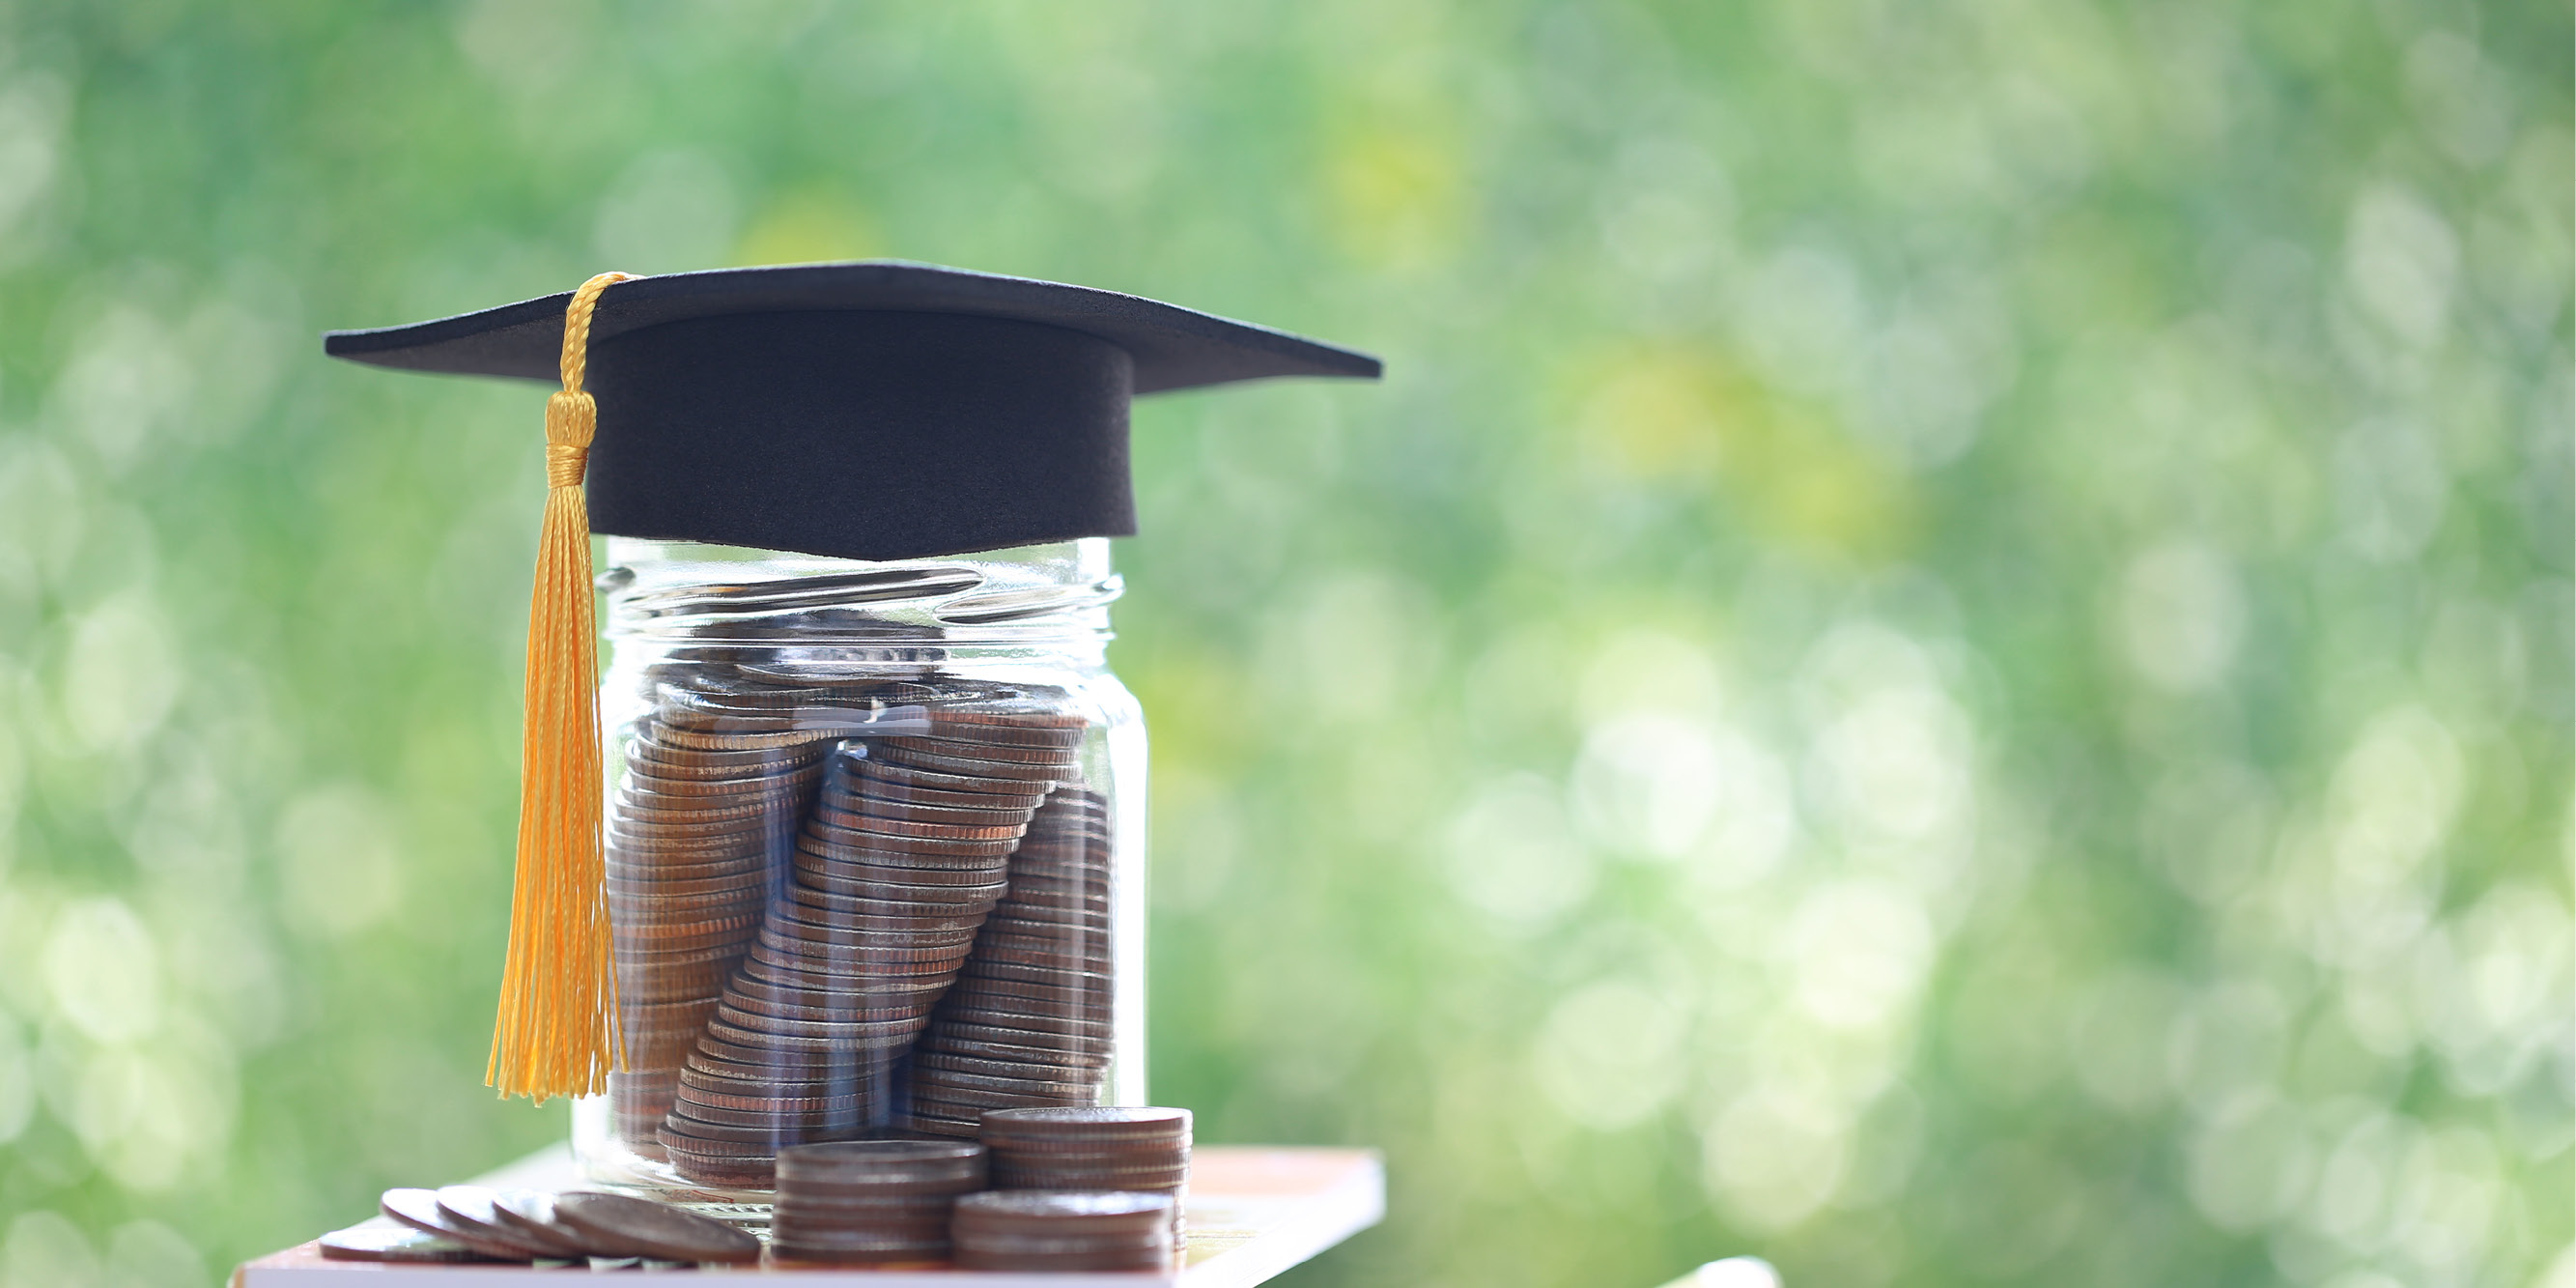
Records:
x=557, y=1031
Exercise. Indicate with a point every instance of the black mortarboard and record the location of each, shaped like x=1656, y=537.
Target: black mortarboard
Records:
x=874, y=410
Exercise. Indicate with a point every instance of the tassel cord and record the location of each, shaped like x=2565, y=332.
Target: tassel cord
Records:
x=557, y=1029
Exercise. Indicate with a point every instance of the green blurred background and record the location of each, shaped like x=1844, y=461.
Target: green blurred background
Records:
x=1945, y=657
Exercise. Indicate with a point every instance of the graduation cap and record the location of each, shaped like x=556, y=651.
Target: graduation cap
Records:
x=872, y=410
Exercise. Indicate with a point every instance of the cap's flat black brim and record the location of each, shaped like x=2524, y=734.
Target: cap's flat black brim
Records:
x=1173, y=348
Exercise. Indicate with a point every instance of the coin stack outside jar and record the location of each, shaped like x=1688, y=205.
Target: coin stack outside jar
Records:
x=1062, y=1230
x=871, y=1202
x=1027, y=1022
x=1096, y=1147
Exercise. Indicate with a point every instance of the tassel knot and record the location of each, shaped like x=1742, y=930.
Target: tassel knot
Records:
x=571, y=420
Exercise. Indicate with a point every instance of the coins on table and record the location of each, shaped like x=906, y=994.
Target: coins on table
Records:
x=395, y=1243
x=419, y=1209
x=887, y=885
x=621, y=1225
x=478, y=1209
x=716, y=780
x=1062, y=1230
x=1095, y=1147
x=1027, y=1022
x=875, y=1202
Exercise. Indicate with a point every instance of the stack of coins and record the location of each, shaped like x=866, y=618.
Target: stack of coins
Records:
x=871, y=1202
x=1028, y=1021
x=896, y=867
x=1062, y=1230
x=1098, y=1147
x=716, y=779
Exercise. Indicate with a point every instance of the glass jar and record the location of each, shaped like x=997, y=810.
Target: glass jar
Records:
x=874, y=838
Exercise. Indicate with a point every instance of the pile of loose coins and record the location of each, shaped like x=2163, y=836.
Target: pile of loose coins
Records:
x=1091, y=1188
x=472, y=1223
x=871, y=1202
x=846, y=904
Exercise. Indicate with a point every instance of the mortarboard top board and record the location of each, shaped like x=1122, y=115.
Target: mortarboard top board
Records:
x=871, y=410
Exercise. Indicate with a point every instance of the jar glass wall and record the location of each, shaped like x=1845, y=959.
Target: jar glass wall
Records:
x=874, y=835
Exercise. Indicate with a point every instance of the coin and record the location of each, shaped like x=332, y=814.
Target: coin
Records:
x=477, y=1208
x=967, y=766
x=1055, y=758
x=968, y=788
x=418, y=1208
x=395, y=1243
x=641, y=1227
x=852, y=1162
x=1048, y=1213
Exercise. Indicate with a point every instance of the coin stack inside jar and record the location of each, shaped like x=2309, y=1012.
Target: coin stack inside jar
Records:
x=1097, y=1147
x=873, y=1202
x=1062, y=1230
x=1028, y=1021
x=906, y=840
x=715, y=781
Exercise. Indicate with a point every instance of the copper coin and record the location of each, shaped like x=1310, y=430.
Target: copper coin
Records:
x=815, y=1036
x=1052, y=922
x=940, y=1125
x=850, y=821
x=841, y=976
x=927, y=1061
x=817, y=1021
x=1053, y=758
x=836, y=840
x=724, y=1173
x=1060, y=1214
x=772, y=1130
x=1021, y=724
x=418, y=1209
x=1000, y=944
x=862, y=947
x=761, y=994
x=1011, y=972
x=827, y=850
x=688, y=761
x=683, y=779
x=922, y=812
x=1097, y=1123
x=967, y=766
x=676, y=1138
x=397, y=1243
x=649, y=806
x=1036, y=1090
x=708, y=1076
x=641, y=1227
x=1059, y=1028
x=692, y=739
x=739, y=885
x=970, y=789
x=914, y=903
x=947, y=1040
x=741, y=1009
x=850, y=1162
x=981, y=881
x=950, y=1094
x=808, y=921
